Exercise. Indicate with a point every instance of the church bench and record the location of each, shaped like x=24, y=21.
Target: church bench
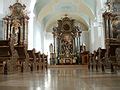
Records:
x=32, y=58
x=38, y=60
x=22, y=55
x=91, y=62
x=44, y=61
x=5, y=54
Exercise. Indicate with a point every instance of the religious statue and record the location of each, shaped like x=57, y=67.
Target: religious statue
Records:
x=16, y=26
x=51, y=48
x=83, y=47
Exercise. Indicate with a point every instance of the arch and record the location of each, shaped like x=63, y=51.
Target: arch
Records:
x=53, y=20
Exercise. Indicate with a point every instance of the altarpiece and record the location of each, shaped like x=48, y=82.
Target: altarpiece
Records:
x=67, y=41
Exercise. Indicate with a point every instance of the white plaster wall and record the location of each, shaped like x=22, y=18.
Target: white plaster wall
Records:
x=96, y=30
x=48, y=41
x=91, y=40
x=38, y=36
x=85, y=39
x=101, y=37
x=96, y=38
x=1, y=6
x=42, y=33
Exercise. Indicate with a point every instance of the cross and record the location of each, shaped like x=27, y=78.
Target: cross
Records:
x=17, y=1
x=66, y=15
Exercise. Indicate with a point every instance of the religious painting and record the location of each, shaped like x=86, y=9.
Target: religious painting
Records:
x=67, y=45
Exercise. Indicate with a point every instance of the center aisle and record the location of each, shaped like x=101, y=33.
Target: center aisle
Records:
x=74, y=78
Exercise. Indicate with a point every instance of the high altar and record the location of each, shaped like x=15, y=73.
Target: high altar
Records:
x=66, y=42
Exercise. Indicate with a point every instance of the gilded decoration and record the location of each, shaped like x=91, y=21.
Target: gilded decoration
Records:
x=17, y=24
x=67, y=37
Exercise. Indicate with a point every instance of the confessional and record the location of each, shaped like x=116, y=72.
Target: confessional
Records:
x=66, y=42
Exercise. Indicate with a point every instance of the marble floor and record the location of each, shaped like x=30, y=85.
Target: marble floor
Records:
x=68, y=78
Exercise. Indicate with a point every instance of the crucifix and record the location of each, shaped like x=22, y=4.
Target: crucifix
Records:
x=17, y=1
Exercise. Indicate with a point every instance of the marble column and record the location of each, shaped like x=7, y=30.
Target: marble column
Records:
x=74, y=46
x=105, y=25
x=58, y=50
x=54, y=43
x=111, y=28
x=23, y=31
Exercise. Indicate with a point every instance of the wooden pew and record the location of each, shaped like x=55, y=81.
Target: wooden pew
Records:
x=38, y=60
x=46, y=61
x=42, y=61
x=117, y=62
x=5, y=54
x=101, y=58
x=105, y=61
x=90, y=62
x=32, y=59
x=22, y=55
x=96, y=60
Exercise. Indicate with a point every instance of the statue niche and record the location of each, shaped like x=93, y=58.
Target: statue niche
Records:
x=16, y=24
x=66, y=37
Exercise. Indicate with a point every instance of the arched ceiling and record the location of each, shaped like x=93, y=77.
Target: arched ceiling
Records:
x=49, y=11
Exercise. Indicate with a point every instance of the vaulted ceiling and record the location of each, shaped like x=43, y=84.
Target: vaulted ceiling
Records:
x=49, y=11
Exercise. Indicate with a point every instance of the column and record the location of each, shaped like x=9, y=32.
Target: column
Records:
x=111, y=32
x=58, y=49
x=54, y=43
x=74, y=45
x=7, y=21
x=23, y=31
x=105, y=25
x=77, y=44
x=109, y=26
x=26, y=34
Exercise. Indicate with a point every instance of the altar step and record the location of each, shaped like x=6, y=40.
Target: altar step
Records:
x=66, y=66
